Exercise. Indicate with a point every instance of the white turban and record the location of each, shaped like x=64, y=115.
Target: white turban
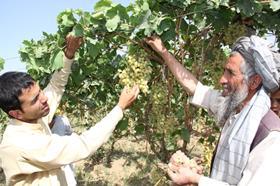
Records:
x=264, y=59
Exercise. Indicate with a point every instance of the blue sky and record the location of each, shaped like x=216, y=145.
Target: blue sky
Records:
x=27, y=19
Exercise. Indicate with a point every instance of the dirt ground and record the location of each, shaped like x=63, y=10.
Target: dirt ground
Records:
x=131, y=163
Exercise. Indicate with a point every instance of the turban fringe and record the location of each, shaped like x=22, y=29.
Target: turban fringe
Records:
x=264, y=59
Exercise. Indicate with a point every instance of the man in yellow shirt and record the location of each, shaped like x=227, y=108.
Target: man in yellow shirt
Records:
x=29, y=153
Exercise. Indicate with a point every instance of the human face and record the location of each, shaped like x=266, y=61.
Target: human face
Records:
x=232, y=80
x=33, y=104
x=275, y=102
x=227, y=104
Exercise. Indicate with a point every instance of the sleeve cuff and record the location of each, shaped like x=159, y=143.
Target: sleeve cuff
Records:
x=205, y=181
x=118, y=111
x=199, y=94
x=67, y=62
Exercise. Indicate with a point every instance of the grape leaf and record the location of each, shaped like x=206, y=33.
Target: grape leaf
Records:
x=102, y=5
x=94, y=49
x=112, y=23
x=78, y=30
x=122, y=125
x=185, y=133
x=249, y=7
x=57, y=60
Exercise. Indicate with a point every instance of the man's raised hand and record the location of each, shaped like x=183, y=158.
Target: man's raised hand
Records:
x=73, y=43
x=128, y=96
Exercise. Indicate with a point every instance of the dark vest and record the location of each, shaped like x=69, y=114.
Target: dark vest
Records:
x=270, y=122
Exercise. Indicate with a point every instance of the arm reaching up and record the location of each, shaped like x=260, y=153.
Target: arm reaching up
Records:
x=73, y=43
x=127, y=97
x=185, y=77
x=56, y=86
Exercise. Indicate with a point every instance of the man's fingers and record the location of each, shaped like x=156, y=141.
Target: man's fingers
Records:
x=131, y=92
x=81, y=40
x=173, y=167
x=136, y=90
x=171, y=174
x=150, y=39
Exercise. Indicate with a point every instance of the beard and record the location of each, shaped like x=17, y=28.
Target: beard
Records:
x=227, y=105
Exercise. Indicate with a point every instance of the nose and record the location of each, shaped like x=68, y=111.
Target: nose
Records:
x=273, y=103
x=43, y=98
x=223, y=79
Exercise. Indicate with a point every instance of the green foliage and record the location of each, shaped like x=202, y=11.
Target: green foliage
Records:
x=3, y=121
x=2, y=61
x=196, y=32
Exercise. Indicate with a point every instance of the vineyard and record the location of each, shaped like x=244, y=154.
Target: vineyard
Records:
x=199, y=33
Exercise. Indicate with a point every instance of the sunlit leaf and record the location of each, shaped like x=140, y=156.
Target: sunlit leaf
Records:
x=102, y=5
x=275, y=5
x=112, y=23
x=57, y=60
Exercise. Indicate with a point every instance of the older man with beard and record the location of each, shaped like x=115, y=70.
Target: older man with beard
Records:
x=249, y=144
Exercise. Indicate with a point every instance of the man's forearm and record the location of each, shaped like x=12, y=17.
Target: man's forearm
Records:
x=100, y=133
x=60, y=78
x=185, y=77
x=56, y=88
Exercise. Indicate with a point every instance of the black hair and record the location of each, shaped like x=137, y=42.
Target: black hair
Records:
x=11, y=86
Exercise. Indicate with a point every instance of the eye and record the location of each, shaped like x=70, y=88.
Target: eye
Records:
x=230, y=72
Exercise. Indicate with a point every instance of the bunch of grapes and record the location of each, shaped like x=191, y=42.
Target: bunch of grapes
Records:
x=180, y=159
x=233, y=32
x=159, y=94
x=163, y=120
x=205, y=145
x=208, y=149
x=136, y=72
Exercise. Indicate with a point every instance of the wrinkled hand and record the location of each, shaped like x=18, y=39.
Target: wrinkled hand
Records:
x=72, y=45
x=156, y=43
x=127, y=97
x=180, y=159
x=183, y=170
x=182, y=175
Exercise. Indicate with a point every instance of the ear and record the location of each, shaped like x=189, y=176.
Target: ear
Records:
x=255, y=81
x=17, y=114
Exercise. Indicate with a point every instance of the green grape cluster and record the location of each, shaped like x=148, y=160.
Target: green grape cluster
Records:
x=208, y=149
x=162, y=119
x=158, y=97
x=159, y=94
x=137, y=72
x=233, y=32
x=180, y=159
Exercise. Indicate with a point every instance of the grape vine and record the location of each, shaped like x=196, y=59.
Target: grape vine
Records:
x=194, y=31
